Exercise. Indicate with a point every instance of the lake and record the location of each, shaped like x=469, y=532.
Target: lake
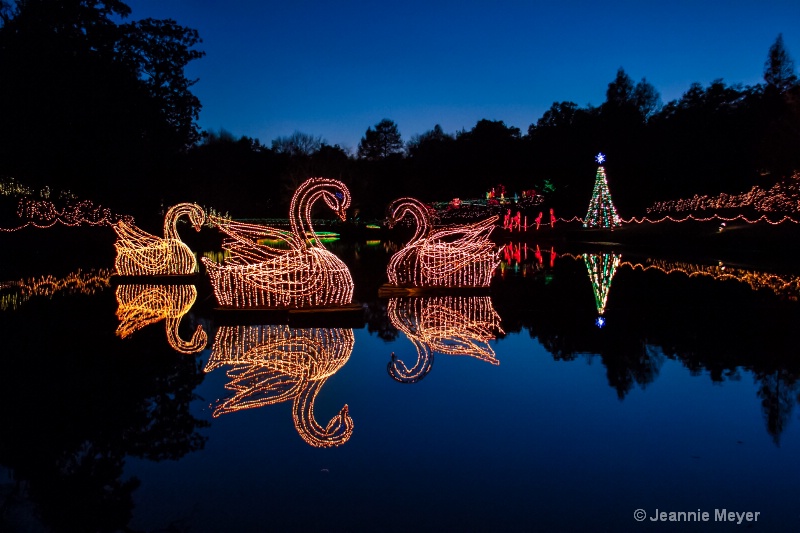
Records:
x=585, y=390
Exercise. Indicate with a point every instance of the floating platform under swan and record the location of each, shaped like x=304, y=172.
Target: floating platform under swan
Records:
x=333, y=316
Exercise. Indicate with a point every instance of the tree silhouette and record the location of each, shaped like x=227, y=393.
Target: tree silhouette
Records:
x=84, y=98
x=779, y=67
x=381, y=142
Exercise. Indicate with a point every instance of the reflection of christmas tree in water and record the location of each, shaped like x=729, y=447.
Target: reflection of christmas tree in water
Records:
x=602, y=268
x=602, y=212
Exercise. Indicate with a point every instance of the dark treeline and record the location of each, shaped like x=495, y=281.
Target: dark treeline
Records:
x=103, y=107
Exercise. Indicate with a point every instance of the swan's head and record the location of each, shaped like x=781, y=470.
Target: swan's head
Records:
x=197, y=217
x=405, y=207
x=337, y=197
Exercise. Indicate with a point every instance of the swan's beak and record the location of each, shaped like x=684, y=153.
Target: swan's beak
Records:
x=390, y=222
x=342, y=214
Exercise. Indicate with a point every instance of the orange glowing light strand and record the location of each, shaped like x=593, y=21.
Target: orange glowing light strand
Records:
x=77, y=282
x=142, y=254
x=142, y=305
x=270, y=364
x=304, y=275
x=453, y=256
x=450, y=325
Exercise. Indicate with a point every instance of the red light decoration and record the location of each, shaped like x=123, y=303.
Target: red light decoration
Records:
x=142, y=305
x=269, y=364
x=453, y=256
x=304, y=275
x=450, y=325
x=142, y=254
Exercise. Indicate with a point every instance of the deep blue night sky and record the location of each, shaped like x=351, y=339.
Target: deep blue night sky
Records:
x=332, y=69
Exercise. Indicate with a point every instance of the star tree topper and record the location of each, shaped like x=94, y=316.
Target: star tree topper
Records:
x=600, y=158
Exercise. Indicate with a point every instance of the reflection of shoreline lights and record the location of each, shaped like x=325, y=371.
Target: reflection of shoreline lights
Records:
x=450, y=325
x=454, y=256
x=515, y=257
x=44, y=214
x=78, y=282
x=305, y=274
x=271, y=364
x=787, y=286
x=602, y=212
x=142, y=305
x=141, y=254
x=602, y=268
x=781, y=197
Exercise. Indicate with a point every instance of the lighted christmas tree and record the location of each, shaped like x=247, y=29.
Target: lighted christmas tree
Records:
x=602, y=213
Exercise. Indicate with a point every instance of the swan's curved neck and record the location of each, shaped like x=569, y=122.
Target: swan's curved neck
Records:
x=422, y=223
x=300, y=209
x=336, y=432
x=174, y=213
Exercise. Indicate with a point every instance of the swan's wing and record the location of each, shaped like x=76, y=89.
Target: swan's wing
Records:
x=440, y=259
x=465, y=233
x=130, y=236
x=243, y=244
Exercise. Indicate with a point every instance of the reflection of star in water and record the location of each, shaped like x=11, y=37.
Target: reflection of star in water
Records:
x=600, y=322
x=600, y=157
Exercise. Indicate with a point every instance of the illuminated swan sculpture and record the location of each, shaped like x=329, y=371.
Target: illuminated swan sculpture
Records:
x=304, y=275
x=141, y=305
x=451, y=325
x=141, y=254
x=272, y=363
x=454, y=256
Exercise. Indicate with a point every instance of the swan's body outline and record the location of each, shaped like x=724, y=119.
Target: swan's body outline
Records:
x=269, y=364
x=307, y=274
x=141, y=254
x=454, y=256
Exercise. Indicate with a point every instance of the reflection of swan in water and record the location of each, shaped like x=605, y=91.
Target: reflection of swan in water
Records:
x=140, y=253
x=141, y=305
x=258, y=275
x=454, y=256
x=451, y=325
x=271, y=364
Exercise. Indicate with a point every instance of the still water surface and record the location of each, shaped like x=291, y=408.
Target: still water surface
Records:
x=510, y=411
